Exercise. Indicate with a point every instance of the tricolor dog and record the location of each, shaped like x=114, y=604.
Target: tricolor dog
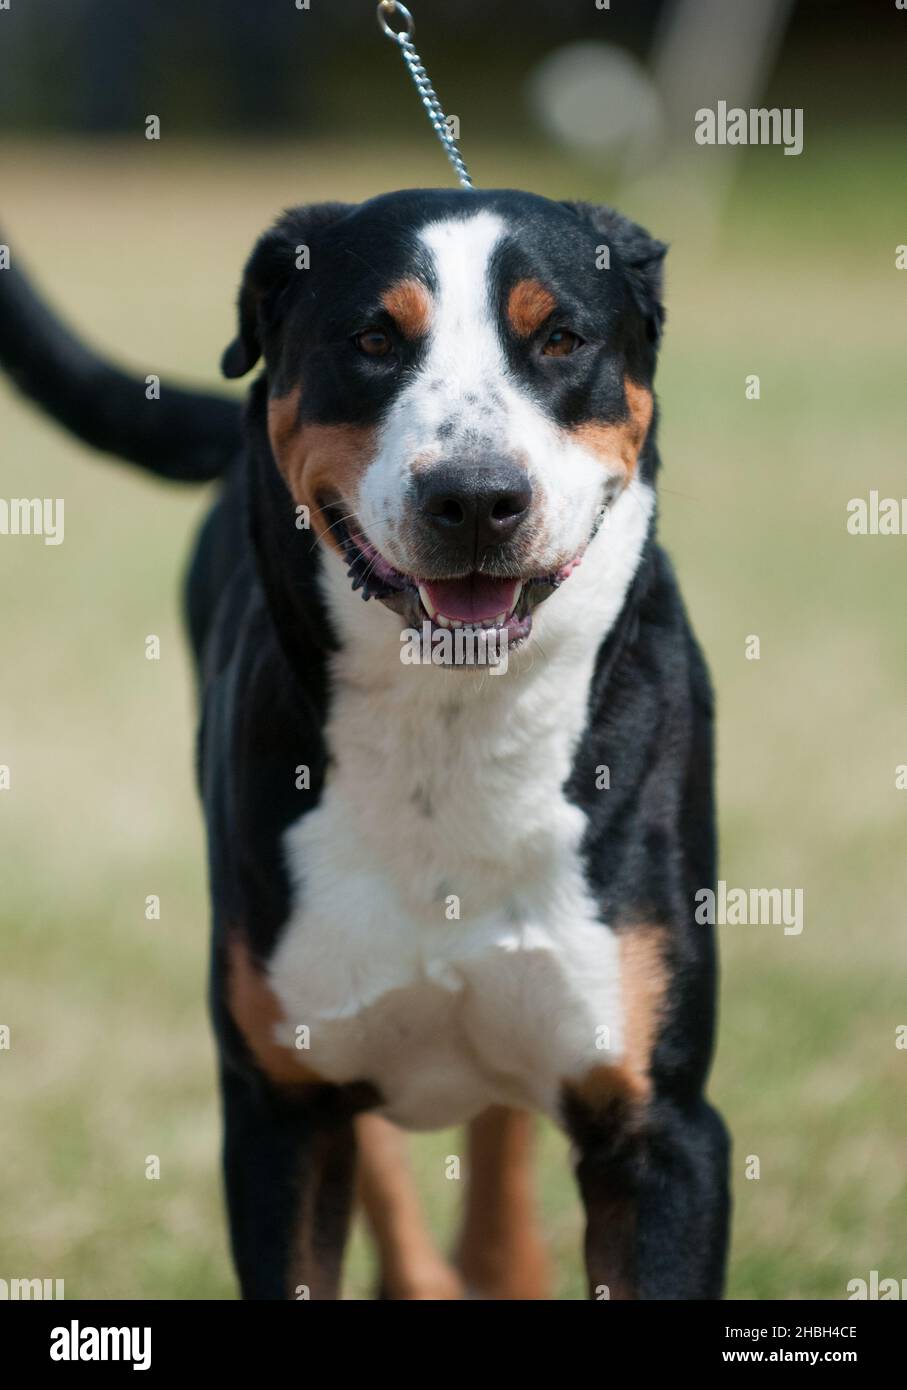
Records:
x=441, y=893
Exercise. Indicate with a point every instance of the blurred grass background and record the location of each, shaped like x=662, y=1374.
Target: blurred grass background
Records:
x=111, y=1058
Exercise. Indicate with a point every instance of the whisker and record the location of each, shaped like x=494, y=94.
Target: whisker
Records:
x=339, y=522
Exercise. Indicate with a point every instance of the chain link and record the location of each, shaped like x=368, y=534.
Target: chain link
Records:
x=404, y=40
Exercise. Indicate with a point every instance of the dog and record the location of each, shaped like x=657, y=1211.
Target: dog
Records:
x=442, y=892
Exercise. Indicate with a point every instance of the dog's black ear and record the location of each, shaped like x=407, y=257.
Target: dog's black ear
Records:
x=641, y=256
x=273, y=261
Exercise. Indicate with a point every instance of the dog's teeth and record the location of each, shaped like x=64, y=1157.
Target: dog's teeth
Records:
x=444, y=622
x=516, y=597
x=500, y=620
x=427, y=603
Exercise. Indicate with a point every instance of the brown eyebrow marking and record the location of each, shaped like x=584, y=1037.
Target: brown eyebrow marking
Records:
x=410, y=306
x=528, y=306
x=619, y=442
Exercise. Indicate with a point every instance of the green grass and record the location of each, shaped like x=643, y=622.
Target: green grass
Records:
x=111, y=1059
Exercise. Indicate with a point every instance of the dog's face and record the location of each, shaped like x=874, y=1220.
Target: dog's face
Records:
x=459, y=385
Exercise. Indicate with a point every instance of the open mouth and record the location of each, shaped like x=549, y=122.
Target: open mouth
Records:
x=474, y=601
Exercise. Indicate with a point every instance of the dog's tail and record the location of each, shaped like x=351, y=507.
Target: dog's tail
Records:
x=186, y=436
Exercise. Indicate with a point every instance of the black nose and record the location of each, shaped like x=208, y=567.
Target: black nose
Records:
x=474, y=507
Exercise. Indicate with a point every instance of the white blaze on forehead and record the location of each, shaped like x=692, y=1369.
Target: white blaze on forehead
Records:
x=464, y=339
x=463, y=400
x=464, y=358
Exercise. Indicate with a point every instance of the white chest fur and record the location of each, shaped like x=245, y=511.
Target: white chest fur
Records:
x=443, y=943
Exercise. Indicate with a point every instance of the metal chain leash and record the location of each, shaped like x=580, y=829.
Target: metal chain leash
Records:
x=404, y=39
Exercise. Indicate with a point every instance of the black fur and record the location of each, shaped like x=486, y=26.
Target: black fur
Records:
x=184, y=436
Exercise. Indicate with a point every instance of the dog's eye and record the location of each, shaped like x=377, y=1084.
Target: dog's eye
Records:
x=374, y=342
x=561, y=343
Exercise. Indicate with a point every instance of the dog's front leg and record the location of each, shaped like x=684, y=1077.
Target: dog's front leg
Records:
x=654, y=1183
x=289, y=1167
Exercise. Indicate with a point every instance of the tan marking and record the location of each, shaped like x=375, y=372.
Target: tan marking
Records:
x=611, y=1218
x=412, y=1267
x=610, y=1243
x=318, y=459
x=500, y=1251
x=321, y=1220
x=256, y=1012
x=410, y=306
x=528, y=306
x=643, y=989
x=283, y=422
x=619, y=442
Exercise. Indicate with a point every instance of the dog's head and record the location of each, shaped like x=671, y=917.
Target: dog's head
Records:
x=459, y=386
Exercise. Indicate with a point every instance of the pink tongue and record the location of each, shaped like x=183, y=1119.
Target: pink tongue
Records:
x=473, y=599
